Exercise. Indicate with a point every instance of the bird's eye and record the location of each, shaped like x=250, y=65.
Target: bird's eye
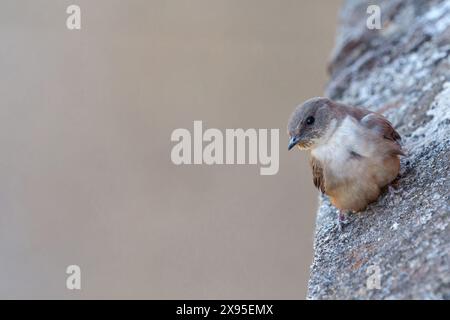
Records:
x=310, y=120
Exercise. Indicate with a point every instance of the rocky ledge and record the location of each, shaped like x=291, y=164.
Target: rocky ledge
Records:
x=399, y=248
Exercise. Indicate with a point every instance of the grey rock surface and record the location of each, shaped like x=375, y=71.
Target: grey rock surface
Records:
x=403, y=239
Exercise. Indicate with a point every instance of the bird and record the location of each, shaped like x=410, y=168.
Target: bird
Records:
x=354, y=152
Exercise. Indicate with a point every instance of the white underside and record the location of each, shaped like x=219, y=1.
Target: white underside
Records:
x=334, y=153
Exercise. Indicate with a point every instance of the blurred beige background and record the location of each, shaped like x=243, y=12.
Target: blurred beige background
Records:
x=85, y=124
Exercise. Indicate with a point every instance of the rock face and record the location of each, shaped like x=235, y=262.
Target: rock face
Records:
x=399, y=247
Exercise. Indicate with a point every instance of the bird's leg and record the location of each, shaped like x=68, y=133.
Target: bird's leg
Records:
x=394, y=187
x=342, y=219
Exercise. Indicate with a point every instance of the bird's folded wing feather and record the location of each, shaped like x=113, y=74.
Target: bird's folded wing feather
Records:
x=318, y=177
x=382, y=126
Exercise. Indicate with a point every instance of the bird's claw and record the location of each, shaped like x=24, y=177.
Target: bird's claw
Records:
x=342, y=220
x=393, y=190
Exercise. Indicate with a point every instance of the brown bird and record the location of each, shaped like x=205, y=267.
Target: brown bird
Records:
x=354, y=152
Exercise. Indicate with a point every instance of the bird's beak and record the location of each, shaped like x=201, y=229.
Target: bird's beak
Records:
x=293, y=142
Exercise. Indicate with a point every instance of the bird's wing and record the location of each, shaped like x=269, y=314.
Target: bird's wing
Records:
x=378, y=123
x=318, y=177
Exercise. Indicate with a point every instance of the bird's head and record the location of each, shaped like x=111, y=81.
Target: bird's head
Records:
x=310, y=122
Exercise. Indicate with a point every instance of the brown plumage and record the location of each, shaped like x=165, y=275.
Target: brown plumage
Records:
x=354, y=152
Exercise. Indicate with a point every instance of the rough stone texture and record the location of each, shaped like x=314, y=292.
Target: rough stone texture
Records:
x=402, y=70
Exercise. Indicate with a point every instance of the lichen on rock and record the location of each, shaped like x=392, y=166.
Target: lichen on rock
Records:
x=403, y=71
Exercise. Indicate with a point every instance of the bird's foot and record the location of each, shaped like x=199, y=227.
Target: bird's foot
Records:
x=342, y=220
x=394, y=186
x=393, y=190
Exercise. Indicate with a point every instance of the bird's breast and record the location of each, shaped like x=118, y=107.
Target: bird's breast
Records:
x=345, y=149
x=354, y=169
